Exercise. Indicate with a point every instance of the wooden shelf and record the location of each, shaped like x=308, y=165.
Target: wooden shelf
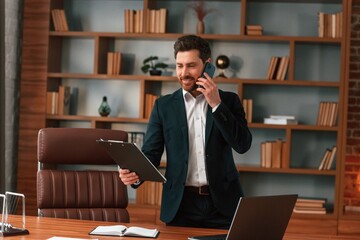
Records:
x=96, y=119
x=255, y=169
x=174, y=36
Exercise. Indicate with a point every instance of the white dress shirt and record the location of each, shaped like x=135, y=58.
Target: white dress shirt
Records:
x=196, y=109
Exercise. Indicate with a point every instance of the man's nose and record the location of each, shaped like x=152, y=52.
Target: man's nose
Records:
x=184, y=72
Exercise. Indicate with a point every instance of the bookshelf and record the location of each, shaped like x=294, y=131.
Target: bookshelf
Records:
x=78, y=58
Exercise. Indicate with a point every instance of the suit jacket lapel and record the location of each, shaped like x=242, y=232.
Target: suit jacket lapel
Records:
x=179, y=110
x=209, y=124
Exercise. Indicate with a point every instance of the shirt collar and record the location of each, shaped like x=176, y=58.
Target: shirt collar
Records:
x=187, y=95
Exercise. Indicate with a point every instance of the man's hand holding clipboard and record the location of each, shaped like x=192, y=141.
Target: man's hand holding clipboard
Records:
x=133, y=163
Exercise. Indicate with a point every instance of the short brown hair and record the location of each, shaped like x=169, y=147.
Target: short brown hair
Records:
x=190, y=42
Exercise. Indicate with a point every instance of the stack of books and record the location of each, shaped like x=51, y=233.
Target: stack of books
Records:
x=330, y=25
x=113, y=63
x=155, y=21
x=59, y=20
x=281, y=119
x=327, y=115
x=278, y=67
x=328, y=159
x=254, y=30
x=58, y=103
x=310, y=206
x=273, y=154
x=248, y=106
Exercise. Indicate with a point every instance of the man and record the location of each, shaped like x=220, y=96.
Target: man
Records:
x=198, y=125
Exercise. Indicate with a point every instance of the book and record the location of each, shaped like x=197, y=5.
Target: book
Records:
x=325, y=158
x=282, y=117
x=248, y=105
x=331, y=158
x=272, y=154
x=273, y=65
x=254, y=27
x=59, y=20
x=352, y=209
x=284, y=121
x=254, y=30
x=74, y=101
x=113, y=63
x=121, y=230
x=64, y=100
x=52, y=99
x=310, y=210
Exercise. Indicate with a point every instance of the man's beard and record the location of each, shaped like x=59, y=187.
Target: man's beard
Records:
x=194, y=86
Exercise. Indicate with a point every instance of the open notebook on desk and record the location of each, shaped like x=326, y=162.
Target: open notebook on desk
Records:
x=260, y=218
x=129, y=156
x=121, y=230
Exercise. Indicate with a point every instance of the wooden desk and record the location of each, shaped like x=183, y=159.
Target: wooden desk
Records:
x=43, y=228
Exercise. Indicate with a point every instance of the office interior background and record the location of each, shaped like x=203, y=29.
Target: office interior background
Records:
x=12, y=30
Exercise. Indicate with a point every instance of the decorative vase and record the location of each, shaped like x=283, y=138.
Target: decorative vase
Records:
x=200, y=28
x=104, y=109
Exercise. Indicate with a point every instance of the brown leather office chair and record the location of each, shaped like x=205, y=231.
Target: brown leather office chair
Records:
x=79, y=194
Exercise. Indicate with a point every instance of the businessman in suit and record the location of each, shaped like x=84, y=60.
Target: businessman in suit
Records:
x=198, y=126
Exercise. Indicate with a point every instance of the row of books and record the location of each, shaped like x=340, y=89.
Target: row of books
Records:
x=327, y=115
x=254, y=30
x=328, y=158
x=59, y=20
x=273, y=154
x=62, y=102
x=149, y=193
x=330, y=24
x=310, y=205
x=149, y=103
x=58, y=103
x=155, y=21
x=248, y=106
x=278, y=67
x=281, y=119
x=113, y=63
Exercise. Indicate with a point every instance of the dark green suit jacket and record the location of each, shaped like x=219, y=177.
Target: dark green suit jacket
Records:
x=226, y=129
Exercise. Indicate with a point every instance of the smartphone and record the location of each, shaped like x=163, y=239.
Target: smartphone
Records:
x=209, y=69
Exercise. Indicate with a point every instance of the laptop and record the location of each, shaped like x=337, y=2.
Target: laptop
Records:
x=258, y=218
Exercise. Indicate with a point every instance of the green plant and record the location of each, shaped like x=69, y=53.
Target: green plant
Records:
x=152, y=63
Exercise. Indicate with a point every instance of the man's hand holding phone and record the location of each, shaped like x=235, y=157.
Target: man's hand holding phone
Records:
x=208, y=87
x=209, y=69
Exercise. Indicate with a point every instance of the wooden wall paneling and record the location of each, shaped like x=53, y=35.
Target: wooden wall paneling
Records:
x=32, y=95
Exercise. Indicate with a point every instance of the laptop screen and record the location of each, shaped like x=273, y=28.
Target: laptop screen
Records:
x=258, y=217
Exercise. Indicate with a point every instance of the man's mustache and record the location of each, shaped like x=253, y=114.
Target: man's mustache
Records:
x=187, y=78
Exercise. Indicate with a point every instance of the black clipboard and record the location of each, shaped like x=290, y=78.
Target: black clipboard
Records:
x=129, y=156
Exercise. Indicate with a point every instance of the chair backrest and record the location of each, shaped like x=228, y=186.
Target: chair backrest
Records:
x=79, y=194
